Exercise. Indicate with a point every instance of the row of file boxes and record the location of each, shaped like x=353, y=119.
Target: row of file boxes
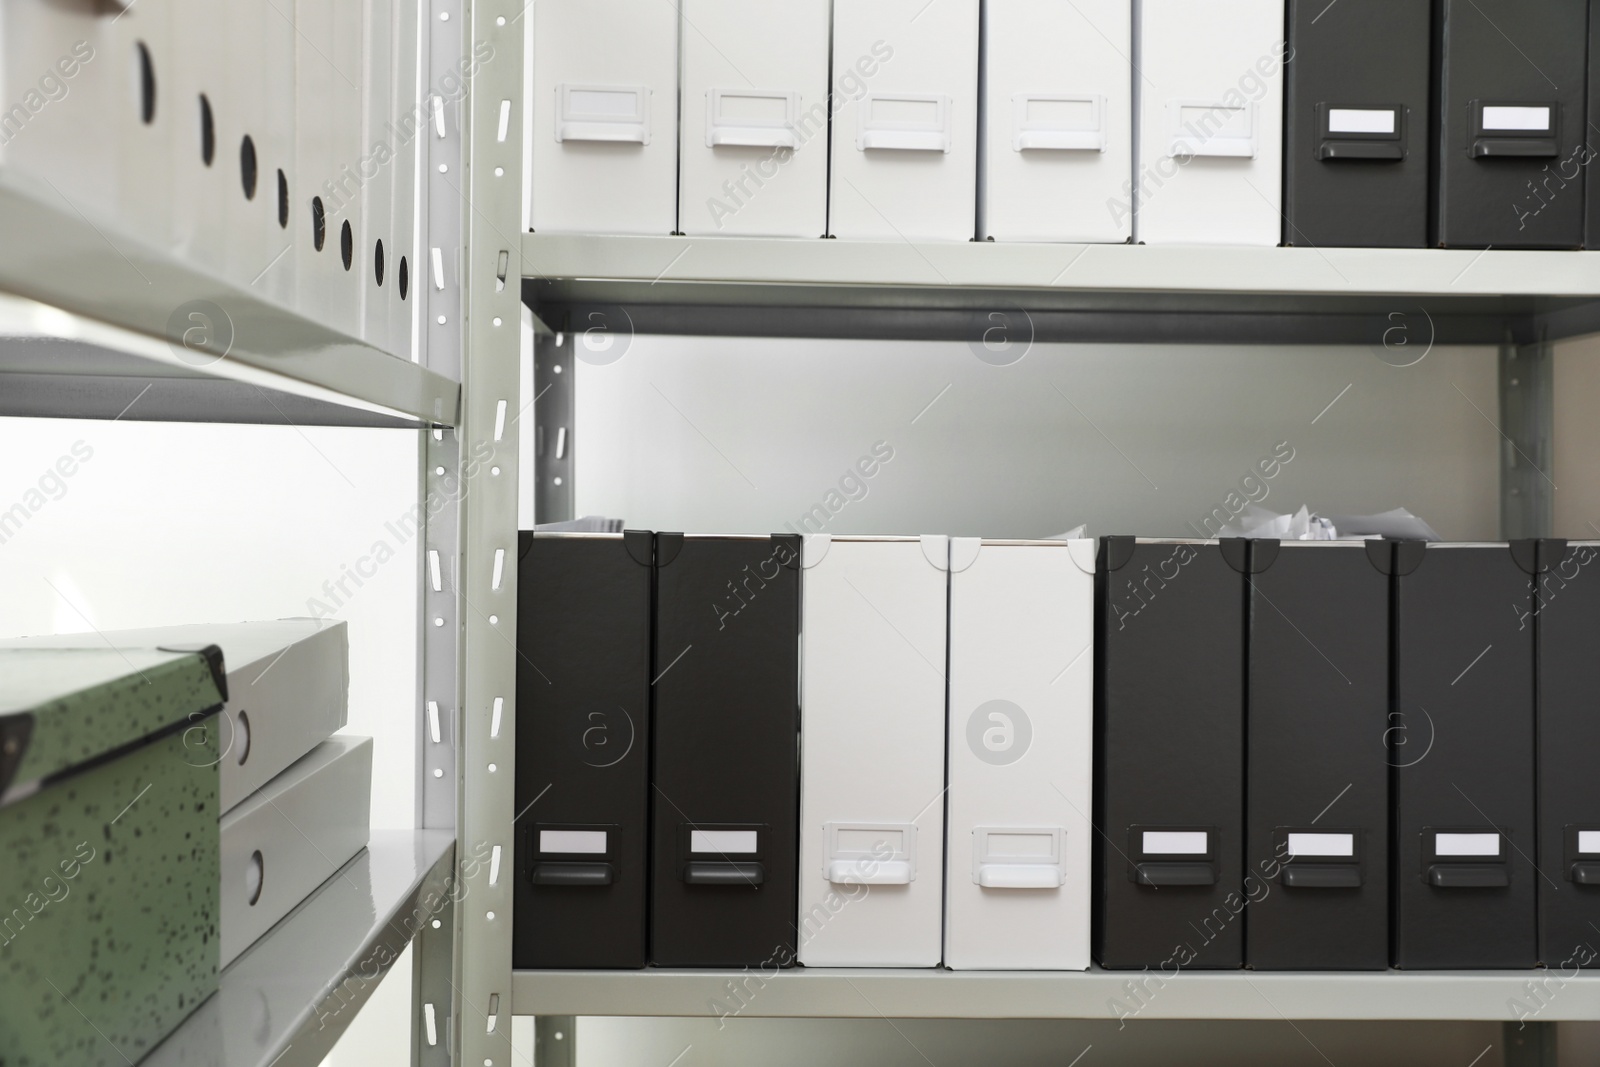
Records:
x=273, y=145
x=166, y=797
x=1248, y=121
x=1306, y=755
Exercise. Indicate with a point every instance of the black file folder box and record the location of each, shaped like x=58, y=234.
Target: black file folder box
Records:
x=1169, y=767
x=1567, y=629
x=1356, y=145
x=583, y=750
x=1511, y=123
x=1317, y=841
x=1461, y=739
x=726, y=761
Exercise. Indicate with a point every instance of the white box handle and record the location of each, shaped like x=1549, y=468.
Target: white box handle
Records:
x=914, y=122
x=603, y=113
x=1208, y=128
x=1058, y=121
x=870, y=853
x=1017, y=857
x=756, y=118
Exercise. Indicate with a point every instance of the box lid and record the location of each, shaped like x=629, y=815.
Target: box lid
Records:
x=62, y=708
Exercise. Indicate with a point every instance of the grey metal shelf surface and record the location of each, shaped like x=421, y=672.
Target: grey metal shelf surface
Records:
x=1093, y=994
x=878, y=289
x=88, y=330
x=286, y=1001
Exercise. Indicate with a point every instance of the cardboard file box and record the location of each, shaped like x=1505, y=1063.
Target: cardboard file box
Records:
x=1058, y=120
x=905, y=124
x=583, y=749
x=1357, y=143
x=108, y=823
x=872, y=763
x=1021, y=754
x=1210, y=158
x=754, y=150
x=1169, y=637
x=288, y=685
x=291, y=836
x=725, y=765
x=605, y=116
x=1564, y=611
x=1512, y=130
x=1317, y=841
x=1465, y=884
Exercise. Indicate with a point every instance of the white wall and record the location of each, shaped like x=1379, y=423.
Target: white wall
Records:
x=739, y=435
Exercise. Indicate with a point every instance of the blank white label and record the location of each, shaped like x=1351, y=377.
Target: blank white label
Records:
x=1322, y=845
x=1019, y=846
x=1589, y=840
x=1055, y=114
x=898, y=111
x=597, y=103
x=1174, y=842
x=1217, y=121
x=866, y=841
x=1516, y=118
x=585, y=841
x=722, y=841
x=767, y=108
x=1466, y=844
x=1360, y=120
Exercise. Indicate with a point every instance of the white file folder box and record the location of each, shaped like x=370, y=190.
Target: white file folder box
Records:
x=605, y=116
x=291, y=836
x=144, y=57
x=63, y=83
x=374, y=239
x=1210, y=159
x=872, y=762
x=328, y=153
x=754, y=155
x=288, y=688
x=905, y=126
x=259, y=104
x=1020, y=744
x=203, y=90
x=408, y=127
x=1058, y=111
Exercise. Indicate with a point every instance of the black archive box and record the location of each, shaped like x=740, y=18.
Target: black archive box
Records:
x=1169, y=748
x=1567, y=635
x=726, y=756
x=583, y=749
x=1462, y=745
x=1317, y=840
x=1511, y=123
x=1356, y=146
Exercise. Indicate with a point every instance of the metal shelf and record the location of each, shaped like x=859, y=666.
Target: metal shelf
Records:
x=1093, y=994
x=876, y=289
x=288, y=999
x=88, y=330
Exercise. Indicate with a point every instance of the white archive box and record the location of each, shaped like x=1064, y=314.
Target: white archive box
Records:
x=872, y=761
x=257, y=156
x=409, y=125
x=143, y=56
x=203, y=90
x=1021, y=754
x=328, y=152
x=605, y=116
x=58, y=124
x=288, y=688
x=1209, y=166
x=905, y=135
x=1058, y=121
x=377, y=172
x=754, y=156
x=292, y=835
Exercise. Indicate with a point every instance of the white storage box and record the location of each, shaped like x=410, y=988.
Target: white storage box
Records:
x=291, y=836
x=872, y=763
x=1210, y=159
x=754, y=150
x=1058, y=130
x=406, y=136
x=374, y=240
x=1021, y=754
x=288, y=688
x=605, y=116
x=905, y=132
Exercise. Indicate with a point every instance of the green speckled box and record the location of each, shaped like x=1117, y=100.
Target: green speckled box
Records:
x=109, y=874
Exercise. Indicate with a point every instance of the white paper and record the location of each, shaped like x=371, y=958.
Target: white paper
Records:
x=722, y=841
x=1174, y=842
x=1322, y=845
x=1466, y=844
x=1589, y=840
x=1502, y=117
x=1360, y=120
x=590, y=842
